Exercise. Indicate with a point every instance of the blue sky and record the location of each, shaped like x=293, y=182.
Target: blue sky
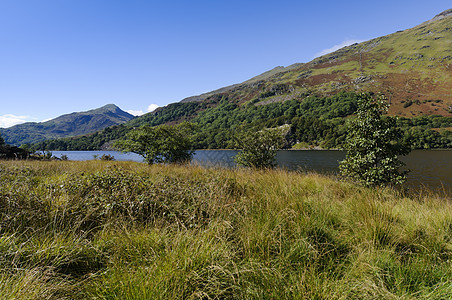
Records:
x=61, y=56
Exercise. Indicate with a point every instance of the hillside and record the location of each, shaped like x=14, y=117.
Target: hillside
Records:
x=411, y=67
x=77, y=123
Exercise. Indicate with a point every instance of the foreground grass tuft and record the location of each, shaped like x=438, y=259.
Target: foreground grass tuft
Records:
x=119, y=230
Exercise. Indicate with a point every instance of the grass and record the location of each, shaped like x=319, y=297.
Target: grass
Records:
x=122, y=230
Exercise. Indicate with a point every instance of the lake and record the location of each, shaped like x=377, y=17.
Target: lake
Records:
x=429, y=168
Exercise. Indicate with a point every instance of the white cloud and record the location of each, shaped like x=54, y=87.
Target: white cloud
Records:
x=9, y=120
x=152, y=107
x=337, y=47
x=135, y=112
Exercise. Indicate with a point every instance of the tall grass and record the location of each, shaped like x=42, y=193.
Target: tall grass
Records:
x=121, y=230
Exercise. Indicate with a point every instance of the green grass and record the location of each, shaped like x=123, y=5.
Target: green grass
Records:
x=121, y=230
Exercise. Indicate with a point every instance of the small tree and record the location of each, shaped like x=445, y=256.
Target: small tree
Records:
x=373, y=145
x=160, y=144
x=259, y=148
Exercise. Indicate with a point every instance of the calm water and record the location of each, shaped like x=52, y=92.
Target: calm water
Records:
x=429, y=168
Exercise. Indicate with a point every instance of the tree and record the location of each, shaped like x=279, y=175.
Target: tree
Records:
x=259, y=148
x=11, y=152
x=373, y=145
x=160, y=144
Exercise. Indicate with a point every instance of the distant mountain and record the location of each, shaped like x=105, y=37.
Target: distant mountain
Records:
x=77, y=123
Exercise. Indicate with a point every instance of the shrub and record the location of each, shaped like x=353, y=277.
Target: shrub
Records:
x=107, y=157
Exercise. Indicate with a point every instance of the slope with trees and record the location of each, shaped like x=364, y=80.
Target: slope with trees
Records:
x=314, y=120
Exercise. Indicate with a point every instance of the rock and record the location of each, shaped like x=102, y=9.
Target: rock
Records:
x=362, y=79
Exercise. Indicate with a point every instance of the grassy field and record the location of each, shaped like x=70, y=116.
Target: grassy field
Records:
x=121, y=230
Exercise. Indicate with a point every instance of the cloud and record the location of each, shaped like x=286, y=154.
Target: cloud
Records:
x=337, y=47
x=152, y=107
x=135, y=112
x=9, y=120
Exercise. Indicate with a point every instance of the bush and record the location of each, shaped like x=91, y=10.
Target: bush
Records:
x=107, y=157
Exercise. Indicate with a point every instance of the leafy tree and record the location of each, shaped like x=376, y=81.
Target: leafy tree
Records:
x=11, y=152
x=160, y=144
x=259, y=147
x=373, y=145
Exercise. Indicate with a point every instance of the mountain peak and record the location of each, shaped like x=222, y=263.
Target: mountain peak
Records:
x=110, y=107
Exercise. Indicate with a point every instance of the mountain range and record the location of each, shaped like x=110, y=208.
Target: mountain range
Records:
x=73, y=124
x=412, y=68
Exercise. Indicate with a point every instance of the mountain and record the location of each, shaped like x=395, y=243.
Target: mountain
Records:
x=77, y=123
x=412, y=67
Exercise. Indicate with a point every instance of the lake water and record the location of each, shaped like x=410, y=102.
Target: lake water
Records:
x=429, y=168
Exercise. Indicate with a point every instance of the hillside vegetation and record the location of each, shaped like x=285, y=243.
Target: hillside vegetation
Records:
x=103, y=230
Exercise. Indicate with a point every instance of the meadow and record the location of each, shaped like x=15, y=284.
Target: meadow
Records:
x=124, y=230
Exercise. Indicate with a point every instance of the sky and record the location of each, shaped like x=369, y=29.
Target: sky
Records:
x=63, y=56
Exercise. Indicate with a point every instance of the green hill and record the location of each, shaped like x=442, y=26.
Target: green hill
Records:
x=73, y=124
